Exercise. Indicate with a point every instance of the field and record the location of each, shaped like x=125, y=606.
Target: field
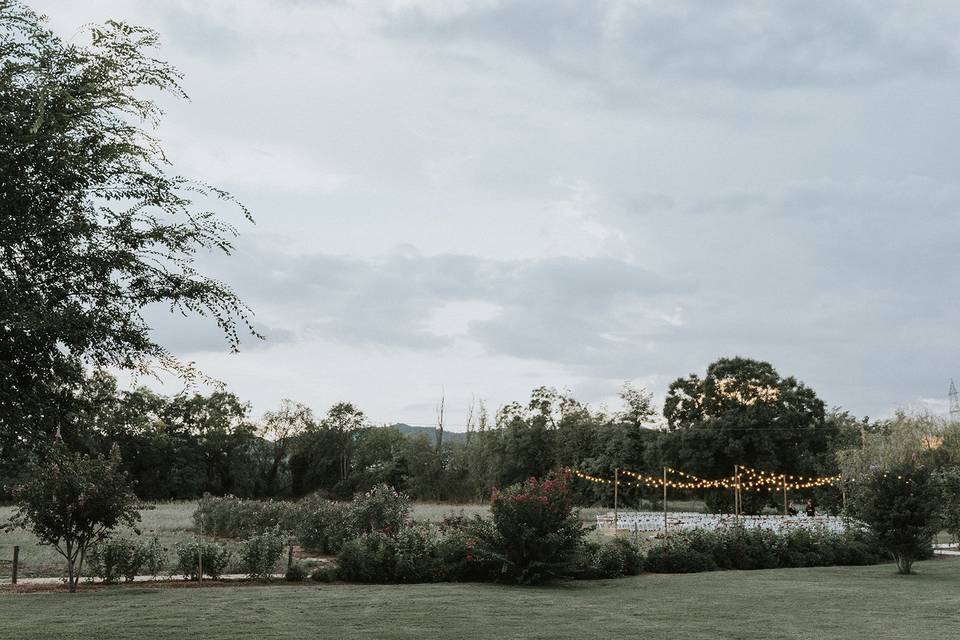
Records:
x=851, y=603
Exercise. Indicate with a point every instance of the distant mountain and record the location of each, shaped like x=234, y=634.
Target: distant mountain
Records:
x=429, y=432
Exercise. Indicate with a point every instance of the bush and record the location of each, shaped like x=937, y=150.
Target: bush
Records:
x=295, y=573
x=155, y=557
x=382, y=508
x=115, y=558
x=215, y=559
x=537, y=532
x=902, y=508
x=231, y=517
x=460, y=550
x=408, y=556
x=677, y=555
x=613, y=559
x=324, y=525
x=740, y=548
x=261, y=553
x=324, y=573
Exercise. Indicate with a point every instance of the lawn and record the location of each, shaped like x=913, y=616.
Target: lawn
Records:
x=848, y=603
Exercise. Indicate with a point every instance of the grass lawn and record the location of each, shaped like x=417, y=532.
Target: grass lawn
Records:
x=847, y=603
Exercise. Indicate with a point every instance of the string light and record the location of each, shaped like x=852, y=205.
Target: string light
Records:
x=748, y=479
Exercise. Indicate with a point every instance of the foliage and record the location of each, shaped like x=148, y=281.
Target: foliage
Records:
x=295, y=573
x=94, y=228
x=612, y=559
x=115, y=558
x=215, y=558
x=901, y=505
x=324, y=573
x=741, y=548
x=260, y=554
x=382, y=508
x=675, y=555
x=537, y=530
x=323, y=525
x=743, y=412
x=71, y=501
x=949, y=481
x=232, y=517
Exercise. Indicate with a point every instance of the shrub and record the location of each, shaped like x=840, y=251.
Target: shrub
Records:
x=460, y=549
x=116, y=558
x=324, y=573
x=949, y=480
x=676, y=555
x=902, y=508
x=612, y=559
x=382, y=508
x=740, y=548
x=537, y=533
x=261, y=553
x=295, y=573
x=324, y=525
x=155, y=557
x=369, y=558
x=408, y=556
x=231, y=517
x=215, y=559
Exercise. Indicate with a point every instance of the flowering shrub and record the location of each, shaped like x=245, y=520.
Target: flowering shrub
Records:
x=382, y=509
x=536, y=531
x=261, y=553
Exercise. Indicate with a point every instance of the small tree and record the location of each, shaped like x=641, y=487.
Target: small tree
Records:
x=901, y=506
x=71, y=501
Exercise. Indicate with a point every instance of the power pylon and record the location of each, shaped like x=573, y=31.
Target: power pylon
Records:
x=954, y=401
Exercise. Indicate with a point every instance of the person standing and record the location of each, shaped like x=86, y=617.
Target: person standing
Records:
x=811, y=510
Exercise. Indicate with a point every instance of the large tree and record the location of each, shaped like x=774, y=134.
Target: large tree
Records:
x=743, y=413
x=93, y=225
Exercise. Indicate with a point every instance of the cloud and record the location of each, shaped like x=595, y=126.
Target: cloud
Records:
x=750, y=45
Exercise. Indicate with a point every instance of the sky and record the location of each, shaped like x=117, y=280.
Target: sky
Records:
x=474, y=199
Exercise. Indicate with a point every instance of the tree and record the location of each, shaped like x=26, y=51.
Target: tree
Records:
x=901, y=506
x=743, y=413
x=93, y=228
x=71, y=501
x=949, y=479
x=280, y=428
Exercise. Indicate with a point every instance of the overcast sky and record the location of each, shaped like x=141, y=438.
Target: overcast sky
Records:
x=485, y=197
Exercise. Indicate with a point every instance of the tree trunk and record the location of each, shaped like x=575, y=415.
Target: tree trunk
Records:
x=71, y=583
x=904, y=563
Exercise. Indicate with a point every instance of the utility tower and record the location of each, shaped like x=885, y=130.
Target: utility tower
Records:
x=954, y=401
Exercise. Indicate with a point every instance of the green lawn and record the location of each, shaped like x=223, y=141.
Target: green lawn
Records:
x=848, y=603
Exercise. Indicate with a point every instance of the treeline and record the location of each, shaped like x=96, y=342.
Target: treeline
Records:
x=740, y=412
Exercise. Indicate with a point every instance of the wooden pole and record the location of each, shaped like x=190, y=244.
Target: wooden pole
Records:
x=736, y=491
x=16, y=561
x=200, y=550
x=290, y=555
x=664, y=499
x=784, y=495
x=616, y=498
